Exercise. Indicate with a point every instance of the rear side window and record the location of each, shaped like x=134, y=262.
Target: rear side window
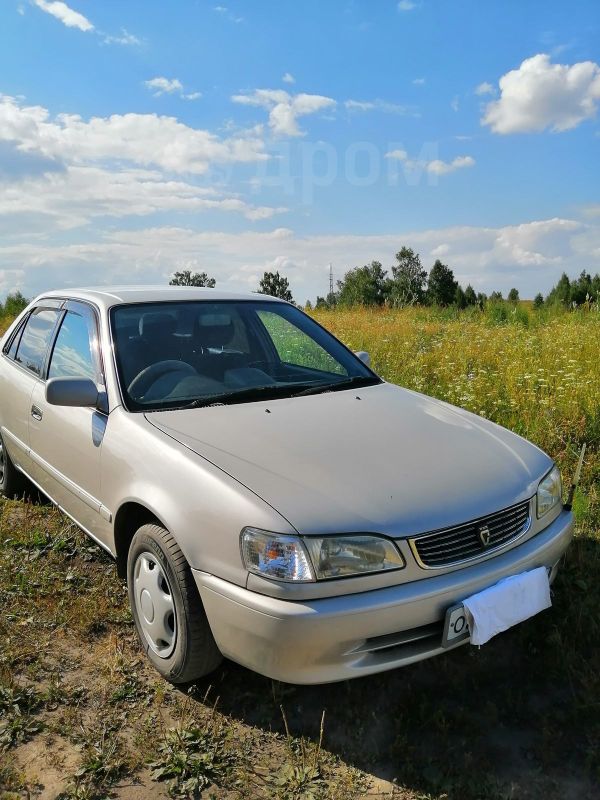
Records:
x=31, y=352
x=12, y=350
x=72, y=355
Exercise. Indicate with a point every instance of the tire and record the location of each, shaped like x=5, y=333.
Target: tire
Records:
x=169, y=617
x=12, y=482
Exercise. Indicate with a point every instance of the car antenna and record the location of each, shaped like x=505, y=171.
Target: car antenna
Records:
x=569, y=503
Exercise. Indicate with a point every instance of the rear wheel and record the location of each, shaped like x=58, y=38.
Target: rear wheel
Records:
x=168, y=614
x=12, y=482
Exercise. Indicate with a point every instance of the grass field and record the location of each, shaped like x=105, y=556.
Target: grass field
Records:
x=83, y=716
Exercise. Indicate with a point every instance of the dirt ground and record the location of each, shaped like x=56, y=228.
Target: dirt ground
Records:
x=83, y=716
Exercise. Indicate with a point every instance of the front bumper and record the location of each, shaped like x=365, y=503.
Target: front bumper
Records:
x=337, y=638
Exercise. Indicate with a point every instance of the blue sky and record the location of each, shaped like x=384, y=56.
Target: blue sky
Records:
x=142, y=137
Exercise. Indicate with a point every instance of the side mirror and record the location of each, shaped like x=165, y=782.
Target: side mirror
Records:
x=77, y=392
x=364, y=357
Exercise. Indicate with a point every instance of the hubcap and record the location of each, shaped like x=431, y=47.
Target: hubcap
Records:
x=154, y=605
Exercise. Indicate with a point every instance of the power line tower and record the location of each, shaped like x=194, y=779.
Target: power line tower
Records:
x=330, y=278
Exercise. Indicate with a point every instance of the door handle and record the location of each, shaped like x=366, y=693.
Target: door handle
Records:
x=36, y=413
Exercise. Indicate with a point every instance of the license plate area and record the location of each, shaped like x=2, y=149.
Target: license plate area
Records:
x=497, y=608
x=456, y=626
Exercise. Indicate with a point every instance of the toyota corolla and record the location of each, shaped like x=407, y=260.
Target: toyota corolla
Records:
x=266, y=495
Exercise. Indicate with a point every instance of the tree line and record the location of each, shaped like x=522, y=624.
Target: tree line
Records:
x=410, y=284
x=582, y=290
x=370, y=285
x=271, y=283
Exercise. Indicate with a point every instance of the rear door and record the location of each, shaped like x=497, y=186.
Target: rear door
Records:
x=66, y=442
x=24, y=359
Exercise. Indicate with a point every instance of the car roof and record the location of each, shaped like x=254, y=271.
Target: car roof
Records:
x=108, y=296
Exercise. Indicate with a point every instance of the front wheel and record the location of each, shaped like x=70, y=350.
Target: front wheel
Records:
x=168, y=614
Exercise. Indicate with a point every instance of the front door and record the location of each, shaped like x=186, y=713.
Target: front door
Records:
x=65, y=442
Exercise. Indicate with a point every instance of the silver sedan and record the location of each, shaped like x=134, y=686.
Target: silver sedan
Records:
x=266, y=495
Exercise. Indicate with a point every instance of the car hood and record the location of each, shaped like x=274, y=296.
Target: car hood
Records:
x=380, y=459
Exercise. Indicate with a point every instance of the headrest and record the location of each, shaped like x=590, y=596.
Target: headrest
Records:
x=156, y=324
x=214, y=329
x=214, y=320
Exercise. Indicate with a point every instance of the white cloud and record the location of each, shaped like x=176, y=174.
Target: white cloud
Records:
x=551, y=44
x=162, y=85
x=438, y=167
x=454, y=103
x=228, y=14
x=406, y=5
x=558, y=49
x=484, y=88
x=142, y=139
x=419, y=81
x=531, y=256
x=75, y=196
x=63, y=173
x=433, y=167
x=359, y=105
x=288, y=78
x=540, y=95
x=73, y=19
x=399, y=155
x=124, y=38
x=379, y=105
x=62, y=12
x=284, y=108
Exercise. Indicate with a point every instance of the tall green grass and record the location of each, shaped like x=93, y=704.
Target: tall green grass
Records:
x=537, y=373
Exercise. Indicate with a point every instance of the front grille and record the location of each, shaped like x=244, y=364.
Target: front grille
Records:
x=432, y=634
x=471, y=540
x=401, y=647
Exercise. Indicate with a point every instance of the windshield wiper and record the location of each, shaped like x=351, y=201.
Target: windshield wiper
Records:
x=348, y=383
x=251, y=393
x=272, y=391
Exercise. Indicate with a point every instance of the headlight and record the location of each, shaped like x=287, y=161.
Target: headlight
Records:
x=275, y=556
x=341, y=556
x=549, y=492
x=291, y=558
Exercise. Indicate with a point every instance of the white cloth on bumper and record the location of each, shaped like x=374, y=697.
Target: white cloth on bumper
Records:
x=507, y=603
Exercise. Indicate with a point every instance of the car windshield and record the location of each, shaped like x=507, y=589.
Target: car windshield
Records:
x=194, y=353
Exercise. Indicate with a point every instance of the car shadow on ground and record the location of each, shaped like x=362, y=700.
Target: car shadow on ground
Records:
x=520, y=712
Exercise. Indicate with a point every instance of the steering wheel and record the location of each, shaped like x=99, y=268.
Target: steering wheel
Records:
x=144, y=379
